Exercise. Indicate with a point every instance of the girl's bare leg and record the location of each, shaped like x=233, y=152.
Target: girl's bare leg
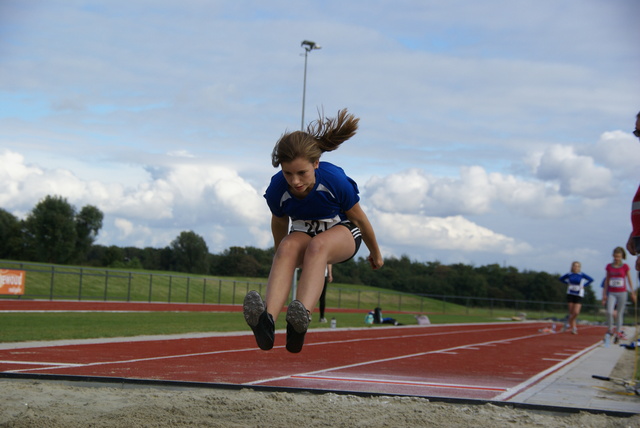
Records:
x=333, y=246
x=575, y=311
x=288, y=256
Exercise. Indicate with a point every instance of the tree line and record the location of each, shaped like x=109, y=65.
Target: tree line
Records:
x=55, y=232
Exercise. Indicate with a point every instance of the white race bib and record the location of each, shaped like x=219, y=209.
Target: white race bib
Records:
x=313, y=227
x=616, y=282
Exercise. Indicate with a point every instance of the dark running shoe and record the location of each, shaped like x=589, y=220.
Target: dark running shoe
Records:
x=260, y=321
x=297, y=323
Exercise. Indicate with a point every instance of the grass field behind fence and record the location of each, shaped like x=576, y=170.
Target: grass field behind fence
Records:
x=55, y=282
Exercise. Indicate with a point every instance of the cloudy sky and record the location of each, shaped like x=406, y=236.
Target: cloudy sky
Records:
x=490, y=132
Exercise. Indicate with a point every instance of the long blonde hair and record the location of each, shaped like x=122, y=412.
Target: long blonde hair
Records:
x=322, y=135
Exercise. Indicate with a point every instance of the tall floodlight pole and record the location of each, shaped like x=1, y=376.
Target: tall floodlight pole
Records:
x=308, y=46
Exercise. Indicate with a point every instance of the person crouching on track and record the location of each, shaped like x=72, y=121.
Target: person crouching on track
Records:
x=327, y=227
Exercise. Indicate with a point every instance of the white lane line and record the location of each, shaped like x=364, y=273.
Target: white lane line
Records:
x=134, y=360
x=383, y=360
x=54, y=366
x=401, y=382
x=535, y=379
x=40, y=363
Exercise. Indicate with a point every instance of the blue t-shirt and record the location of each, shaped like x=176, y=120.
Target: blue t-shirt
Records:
x=576, y=282
x=333, y=194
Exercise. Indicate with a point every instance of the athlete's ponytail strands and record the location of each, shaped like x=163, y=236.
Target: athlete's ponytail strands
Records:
x=331, y=132
x=323, y=135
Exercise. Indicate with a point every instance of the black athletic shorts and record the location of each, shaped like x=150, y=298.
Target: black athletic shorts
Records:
x=572, y=298
x=357, y=236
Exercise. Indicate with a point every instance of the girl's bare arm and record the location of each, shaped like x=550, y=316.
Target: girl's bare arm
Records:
x=360, y=219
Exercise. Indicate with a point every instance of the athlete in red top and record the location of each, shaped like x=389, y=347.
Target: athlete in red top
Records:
x=614, y=295
x=633, y=245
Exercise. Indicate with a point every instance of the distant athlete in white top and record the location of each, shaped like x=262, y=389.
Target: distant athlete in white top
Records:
x=327, y=227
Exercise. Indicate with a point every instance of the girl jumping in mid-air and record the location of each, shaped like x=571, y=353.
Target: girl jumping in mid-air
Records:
x=327, y=227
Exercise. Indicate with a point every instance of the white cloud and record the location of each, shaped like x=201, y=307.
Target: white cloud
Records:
x=444, y=233
x=529, y=198
x=181, y=196
x=474, y=192
x=124, y=226
x=619, y=151
x=576, y=174
x=181, y=154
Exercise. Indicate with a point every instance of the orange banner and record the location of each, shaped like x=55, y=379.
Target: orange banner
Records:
x=12, y=281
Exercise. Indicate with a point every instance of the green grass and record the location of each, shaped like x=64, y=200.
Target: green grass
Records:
x=19, y=327
x=86, y=325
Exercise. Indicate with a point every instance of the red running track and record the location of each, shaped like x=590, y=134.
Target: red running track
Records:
x=471, y=361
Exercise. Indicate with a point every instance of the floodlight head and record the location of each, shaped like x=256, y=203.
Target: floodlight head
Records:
x=309, y=45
